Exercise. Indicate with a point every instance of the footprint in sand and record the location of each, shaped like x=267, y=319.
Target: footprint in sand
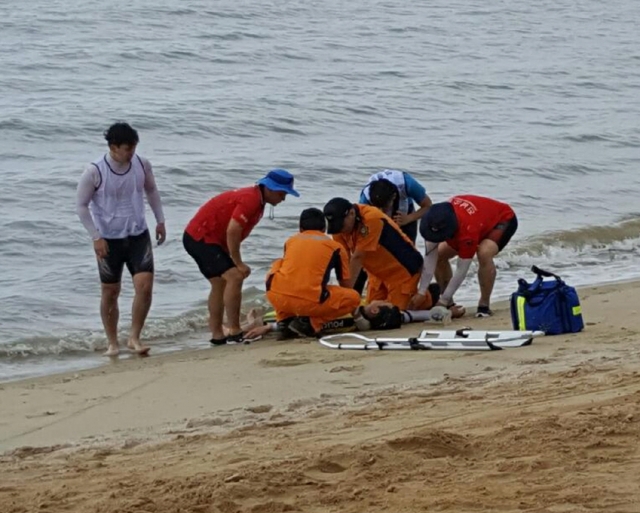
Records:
x=328, y=467
x=347, y=368
x=262, y=408
x=432, y=444
x=196, y=423
x=284, y=362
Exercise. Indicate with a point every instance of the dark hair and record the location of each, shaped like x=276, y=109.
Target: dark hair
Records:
x=312, y=219
x=121, y=133
x=387, y=318
x=381, y=193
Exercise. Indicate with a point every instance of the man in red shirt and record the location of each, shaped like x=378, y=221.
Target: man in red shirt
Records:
x=464, y=226
x=213, y=238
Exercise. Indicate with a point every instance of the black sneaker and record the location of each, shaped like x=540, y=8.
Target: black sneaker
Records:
x=284, y=333
x=483, y=311
x=238, y=338
x=302, y=326
x=218, y=341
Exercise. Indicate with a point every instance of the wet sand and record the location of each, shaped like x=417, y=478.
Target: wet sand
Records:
x=293, y=426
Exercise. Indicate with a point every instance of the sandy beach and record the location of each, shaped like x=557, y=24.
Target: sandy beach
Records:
x=293, y=426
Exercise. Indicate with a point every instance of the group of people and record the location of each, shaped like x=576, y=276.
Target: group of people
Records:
x=370, y=243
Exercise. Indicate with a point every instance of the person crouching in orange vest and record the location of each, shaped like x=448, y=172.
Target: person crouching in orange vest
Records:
x=376, y=244
x=298, y=283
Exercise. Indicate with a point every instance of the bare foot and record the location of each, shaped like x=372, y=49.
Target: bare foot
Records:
x=254, y=319
x=136, y=347
x=112, y=350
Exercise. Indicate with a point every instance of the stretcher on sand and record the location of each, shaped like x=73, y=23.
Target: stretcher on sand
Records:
x=464, y=339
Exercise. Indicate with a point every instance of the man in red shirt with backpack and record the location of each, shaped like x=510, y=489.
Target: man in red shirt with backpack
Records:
x=464, y=226
x=213, y=239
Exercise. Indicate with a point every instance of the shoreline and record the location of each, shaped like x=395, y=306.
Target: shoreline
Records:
x=239, y=362
x=187, y=341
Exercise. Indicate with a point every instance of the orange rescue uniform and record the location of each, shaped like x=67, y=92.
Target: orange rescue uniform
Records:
x=391, y=260
x=297, y=284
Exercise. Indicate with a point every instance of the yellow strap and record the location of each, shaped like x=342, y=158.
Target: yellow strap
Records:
x=522, y=324
x=577, y=310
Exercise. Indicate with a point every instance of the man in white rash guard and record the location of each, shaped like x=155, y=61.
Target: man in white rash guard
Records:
x=110, y=204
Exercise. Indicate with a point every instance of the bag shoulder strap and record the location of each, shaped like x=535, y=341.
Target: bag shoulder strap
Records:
x=545, y=274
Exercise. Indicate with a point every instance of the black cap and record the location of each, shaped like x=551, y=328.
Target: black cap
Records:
x=439, y=223
x=336, y=210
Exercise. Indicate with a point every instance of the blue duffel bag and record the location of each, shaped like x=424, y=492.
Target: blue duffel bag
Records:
x=548, y=305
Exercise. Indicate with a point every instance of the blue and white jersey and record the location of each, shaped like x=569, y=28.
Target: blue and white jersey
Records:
x=409, y=189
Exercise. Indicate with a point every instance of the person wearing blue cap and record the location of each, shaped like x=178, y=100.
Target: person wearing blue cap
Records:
x=213, y=239
x=465, y=226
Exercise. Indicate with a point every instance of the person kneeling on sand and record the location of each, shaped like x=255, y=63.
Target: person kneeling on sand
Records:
x=213, y=239
x=378, y=315
x=298, y=283
x=376, y=244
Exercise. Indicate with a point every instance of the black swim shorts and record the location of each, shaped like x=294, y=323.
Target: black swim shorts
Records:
x=503, y=231
x=213, y=261
x=135, y=251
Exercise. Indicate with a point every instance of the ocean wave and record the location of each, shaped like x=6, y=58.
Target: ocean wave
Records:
x=620, y=237
x=588, y=138
x=162, y=332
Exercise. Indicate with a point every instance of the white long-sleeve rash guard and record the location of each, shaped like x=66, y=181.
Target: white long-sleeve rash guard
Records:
x=429, y=268
x=89, y=183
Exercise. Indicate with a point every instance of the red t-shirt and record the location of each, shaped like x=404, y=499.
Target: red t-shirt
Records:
x=477, y=217
x=212, y=219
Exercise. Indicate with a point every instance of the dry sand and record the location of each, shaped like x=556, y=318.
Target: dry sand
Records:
x=293, y=426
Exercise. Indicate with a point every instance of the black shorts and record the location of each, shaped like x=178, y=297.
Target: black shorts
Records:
x=502, y=232
x=135, y=251
x=213, y=261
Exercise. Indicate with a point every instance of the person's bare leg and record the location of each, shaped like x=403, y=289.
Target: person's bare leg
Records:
x=233, y=299
x=216, y=308
x=443, y=271
x=110, y=314
x=143, y=286
x=487, y=250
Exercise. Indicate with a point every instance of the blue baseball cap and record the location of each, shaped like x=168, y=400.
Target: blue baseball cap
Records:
x=279, y=180
x=439, y=223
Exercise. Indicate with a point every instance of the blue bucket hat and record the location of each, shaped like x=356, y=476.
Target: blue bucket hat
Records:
x=439, y=223
x=279, y=180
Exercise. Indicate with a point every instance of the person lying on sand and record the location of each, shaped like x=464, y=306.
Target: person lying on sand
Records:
x=378, y=315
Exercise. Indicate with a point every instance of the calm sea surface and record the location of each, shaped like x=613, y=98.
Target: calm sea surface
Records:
x=533, y=103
